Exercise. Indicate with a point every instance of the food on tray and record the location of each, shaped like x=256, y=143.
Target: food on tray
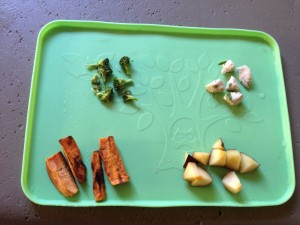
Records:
x=74, y=159
x=113, y=164
x=103, y=68
x=106, y=95
x=230, y=158
x=96, y=84
x=215, y=86
x=233, y=98
x=60, y=174
x=228, y=66
x=248, y=164
x=232, y=183
x=202, y=157
x=196, y=175
x=189, y=158
x=232, y=84
x=98, y=179
x=127, y=96
x=245, y=76
x=120, y=83
x=233, y=159
x=125, y=64
x=217, y=157
x=219, y=144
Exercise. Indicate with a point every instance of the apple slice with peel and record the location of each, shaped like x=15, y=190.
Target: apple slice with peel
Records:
x=219, y=144
x=191, y=172
x=248, y=164
x=188, y=158
x=202, y=157
x=217, y=158
x=233, y=159
x=232, y=183
x=196, y=175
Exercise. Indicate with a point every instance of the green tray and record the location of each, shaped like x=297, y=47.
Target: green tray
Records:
x=174, y=113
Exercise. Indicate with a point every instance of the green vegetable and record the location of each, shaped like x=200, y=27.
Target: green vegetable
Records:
x=101, y=63
x=119, y=83
x=127, y=96
x=103, y=68
x=125, y=64
x=96, y=85
x=92, y=66
x=222, y=63
x=105, y=72
x=104, y=62
x=106, y=95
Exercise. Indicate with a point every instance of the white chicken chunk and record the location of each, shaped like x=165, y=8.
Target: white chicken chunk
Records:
x=245, y=76
x=228, y=66
x=232, y=84
x=233, y=98
x=215, y=86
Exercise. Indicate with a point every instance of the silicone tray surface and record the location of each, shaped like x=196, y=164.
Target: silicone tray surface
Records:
x=174, y=113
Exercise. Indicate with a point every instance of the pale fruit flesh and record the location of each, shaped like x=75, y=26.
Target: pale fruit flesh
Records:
x=233, y=159
x=232, y=183
x=202, y=157
x=219, y=144
x=248, y=164
x=217, y=158
x=196, y=175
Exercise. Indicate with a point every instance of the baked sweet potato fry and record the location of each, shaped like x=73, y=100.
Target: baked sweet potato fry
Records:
x=73, y=156
x=113, y=165
x=98, y=179
x=61, y=175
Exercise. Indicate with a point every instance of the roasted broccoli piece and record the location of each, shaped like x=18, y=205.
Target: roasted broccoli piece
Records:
x=101, y=63
x=119, y=83
x=127, y=96
x=92, y=66
x=106, y=95
x=104, y=62
x=125, y=64
x=95, y=81
x=105, y=72
x=104, y=69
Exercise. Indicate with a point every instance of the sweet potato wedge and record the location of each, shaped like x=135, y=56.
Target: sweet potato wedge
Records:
x=113, y=164
x=73, y=156
x=98, y=179
x=61, y=175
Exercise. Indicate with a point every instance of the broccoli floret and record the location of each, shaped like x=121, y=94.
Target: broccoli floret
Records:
x=101, y=63
x=106, y=95
x=104, y=62
x=92, y=66
x=104, y=69
x=125, y=64
x=127, y=96
x=119, y=83
x=96, y=85
x=105, y=72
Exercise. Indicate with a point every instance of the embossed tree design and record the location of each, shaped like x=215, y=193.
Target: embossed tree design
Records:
x=175, y=98
x=183, y=108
